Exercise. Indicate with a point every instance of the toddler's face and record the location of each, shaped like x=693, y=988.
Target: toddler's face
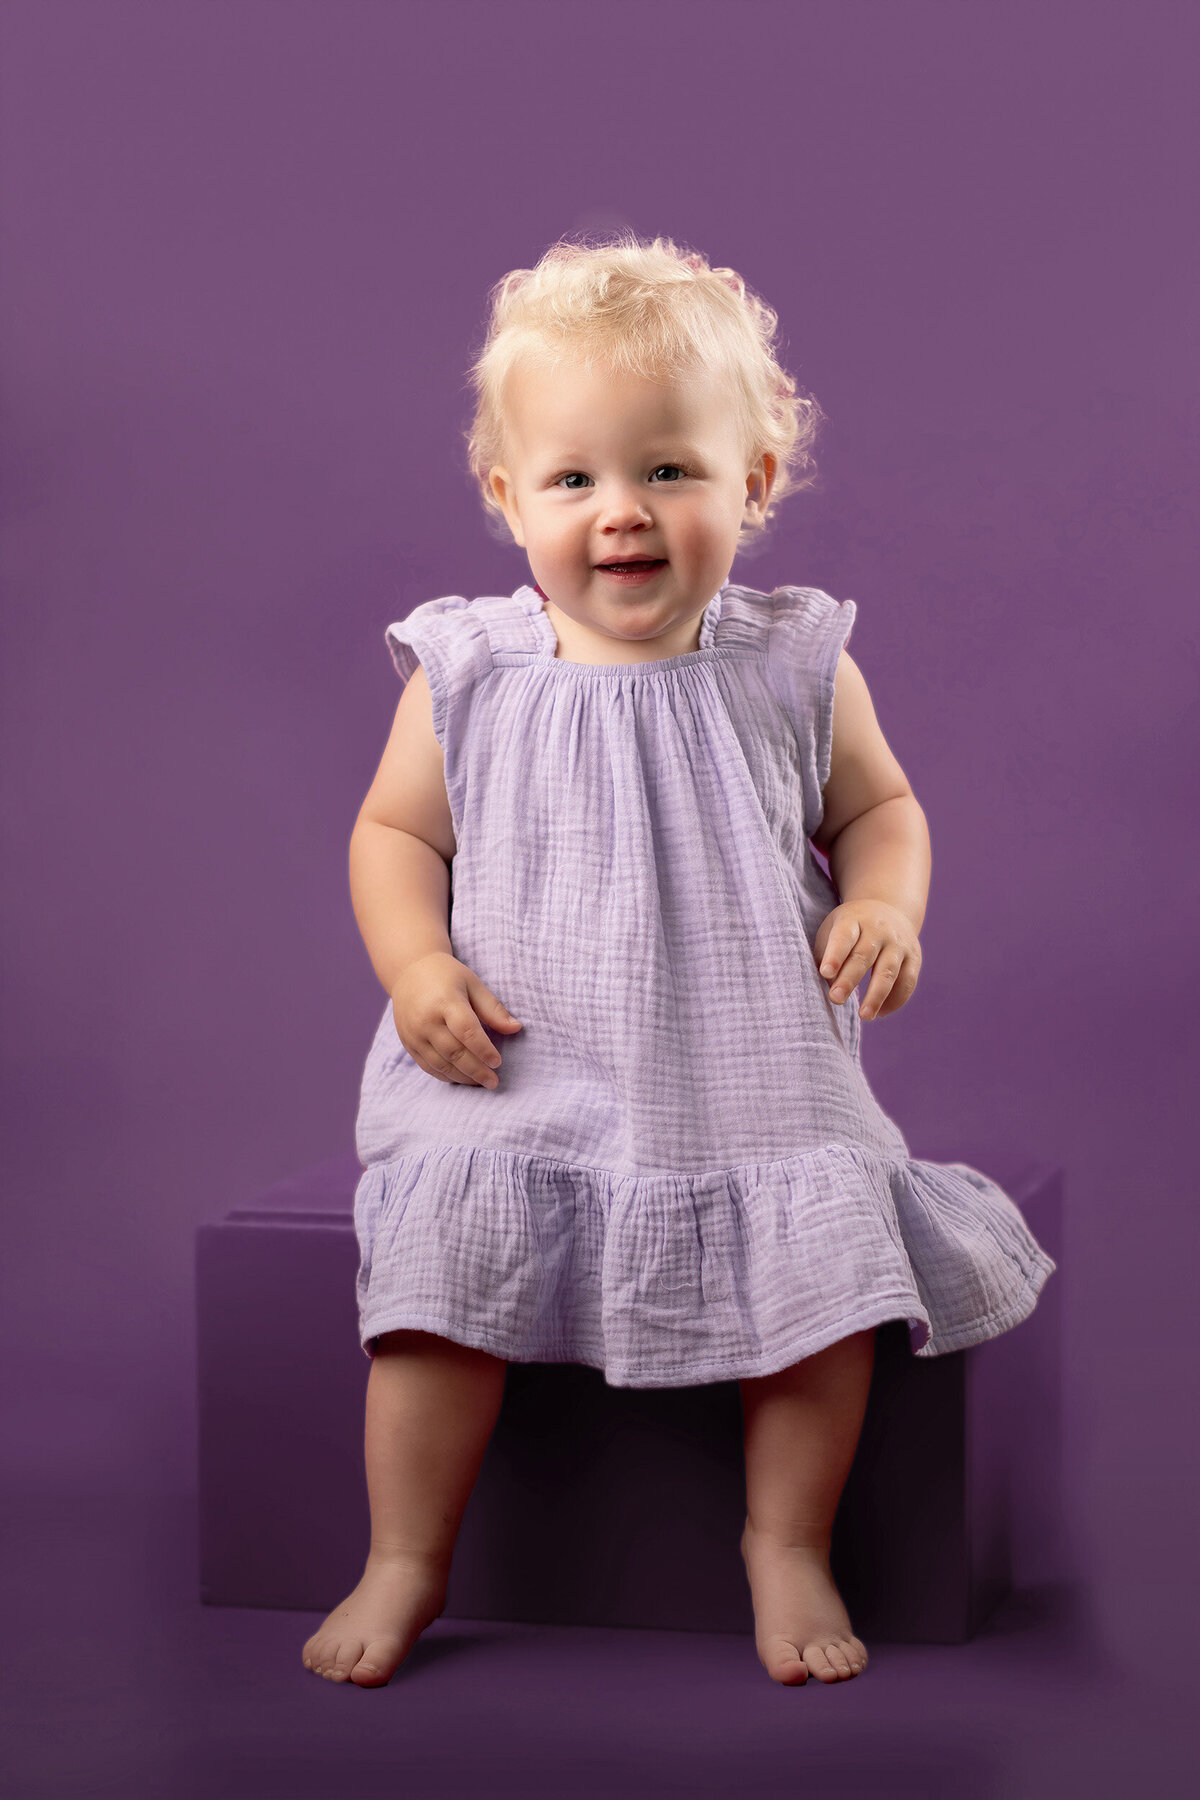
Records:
x=602, y=465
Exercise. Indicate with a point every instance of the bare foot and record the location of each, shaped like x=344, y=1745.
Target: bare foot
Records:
x=801, y=1627
x=367, y=1637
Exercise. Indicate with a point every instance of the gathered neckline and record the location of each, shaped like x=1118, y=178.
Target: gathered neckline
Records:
x=533, y=600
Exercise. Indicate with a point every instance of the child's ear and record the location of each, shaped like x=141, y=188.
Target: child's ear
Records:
x=759, y=482
x=501, y=486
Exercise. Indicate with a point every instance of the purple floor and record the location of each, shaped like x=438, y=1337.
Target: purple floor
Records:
x=123, y=1684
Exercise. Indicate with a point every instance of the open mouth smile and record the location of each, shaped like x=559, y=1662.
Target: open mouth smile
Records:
x=636, y=570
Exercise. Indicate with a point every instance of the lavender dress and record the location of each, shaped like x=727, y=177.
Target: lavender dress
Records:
x=683, y=1176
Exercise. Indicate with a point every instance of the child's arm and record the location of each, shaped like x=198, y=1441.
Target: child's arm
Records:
x=401, y=849
x=876, y=839
x=403, y=843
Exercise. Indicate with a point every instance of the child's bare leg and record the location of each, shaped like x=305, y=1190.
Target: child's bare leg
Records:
x=431, y=1407
x=801, y=1430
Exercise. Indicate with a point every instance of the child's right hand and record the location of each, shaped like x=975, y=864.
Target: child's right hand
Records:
x=437, y=1004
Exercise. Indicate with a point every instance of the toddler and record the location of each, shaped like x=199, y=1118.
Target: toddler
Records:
x=589, y=841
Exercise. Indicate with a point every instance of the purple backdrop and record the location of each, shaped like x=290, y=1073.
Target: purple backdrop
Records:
x=246, y=252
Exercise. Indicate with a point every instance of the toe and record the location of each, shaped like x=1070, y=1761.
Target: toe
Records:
x=839, y=1660
x=348, y=1653
x=784, y=1662
x=819, y=1663
x=377, y=1664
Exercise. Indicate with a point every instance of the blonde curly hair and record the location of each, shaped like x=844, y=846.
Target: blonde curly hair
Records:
x=648, y=309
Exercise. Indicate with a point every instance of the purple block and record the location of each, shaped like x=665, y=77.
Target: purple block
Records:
x=610, y=1506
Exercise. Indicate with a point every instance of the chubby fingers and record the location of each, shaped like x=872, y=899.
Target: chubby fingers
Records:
x=846, y=958
x=895, y=973
x=866, y=949
x=887, y=970
x=461, y=1051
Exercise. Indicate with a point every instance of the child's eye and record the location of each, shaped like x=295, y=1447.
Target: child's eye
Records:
x=570, y=476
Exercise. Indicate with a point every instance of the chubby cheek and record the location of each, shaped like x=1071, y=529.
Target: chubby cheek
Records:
x=563, y=544
x=697, y=544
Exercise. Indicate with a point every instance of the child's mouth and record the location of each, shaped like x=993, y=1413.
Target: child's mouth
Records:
x=631, y=573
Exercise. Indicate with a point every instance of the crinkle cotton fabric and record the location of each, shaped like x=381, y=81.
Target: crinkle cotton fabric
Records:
x=683, y=1176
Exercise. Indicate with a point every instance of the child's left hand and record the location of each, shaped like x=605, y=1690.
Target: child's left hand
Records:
x=860, y=934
